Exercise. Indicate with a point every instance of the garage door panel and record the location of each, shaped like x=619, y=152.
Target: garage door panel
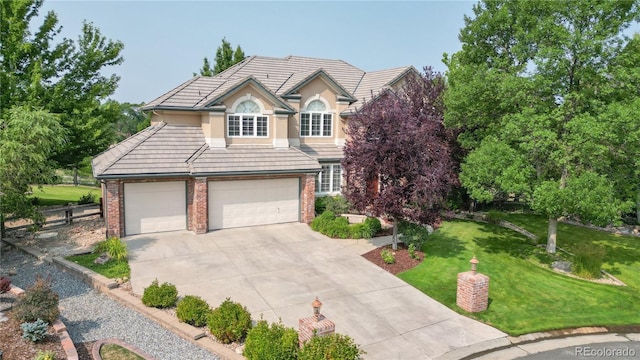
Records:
x=253, y=202
x=155, y=207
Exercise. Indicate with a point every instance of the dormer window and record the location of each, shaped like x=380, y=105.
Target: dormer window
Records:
x=247, y=121
x=315, y=120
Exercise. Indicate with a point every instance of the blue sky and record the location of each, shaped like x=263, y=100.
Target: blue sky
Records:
x=165, y=41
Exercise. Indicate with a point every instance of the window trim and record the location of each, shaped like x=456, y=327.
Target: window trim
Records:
x=326, y=117
x=319, y=177
x=242, y=118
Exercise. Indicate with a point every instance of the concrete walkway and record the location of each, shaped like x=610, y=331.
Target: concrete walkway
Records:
x=276, y=271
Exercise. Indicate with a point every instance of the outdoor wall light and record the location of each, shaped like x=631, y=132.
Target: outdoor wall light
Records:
x=316, y=308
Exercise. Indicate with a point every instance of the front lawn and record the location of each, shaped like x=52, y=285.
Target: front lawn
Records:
x=525, y=295
x=49, y=195
x=111, y=269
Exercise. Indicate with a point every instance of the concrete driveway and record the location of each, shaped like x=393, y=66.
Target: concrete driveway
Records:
x=276, y=271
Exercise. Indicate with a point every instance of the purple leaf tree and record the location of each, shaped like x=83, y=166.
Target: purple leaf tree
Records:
x=398, y=155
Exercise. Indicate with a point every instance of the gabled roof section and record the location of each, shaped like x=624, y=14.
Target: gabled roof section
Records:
x=279, y=78
x=320, y=73
x=170, y=150
x=375, y=82
x=229, y=91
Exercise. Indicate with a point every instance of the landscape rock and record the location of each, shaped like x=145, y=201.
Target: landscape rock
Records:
x=102, y=259
x=563, y=266
x=47, y=236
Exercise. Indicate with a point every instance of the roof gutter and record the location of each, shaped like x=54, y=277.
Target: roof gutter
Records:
x=201, y=174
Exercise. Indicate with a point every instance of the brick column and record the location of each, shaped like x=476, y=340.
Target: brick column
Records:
x=201, y=206
x=310, y=327
x=316, y=325
x=115, y=208
x=473, y=290
x=308, y=197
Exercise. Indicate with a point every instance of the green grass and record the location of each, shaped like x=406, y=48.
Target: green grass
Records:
x=525, y=295
x=49, y=195
x=117, y=352
x=112, y=269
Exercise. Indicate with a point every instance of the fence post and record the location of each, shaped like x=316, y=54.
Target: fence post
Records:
x=68, y=214
x=1, y=227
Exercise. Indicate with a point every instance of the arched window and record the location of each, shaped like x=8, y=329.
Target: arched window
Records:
x=315, y=120
x=247, y=121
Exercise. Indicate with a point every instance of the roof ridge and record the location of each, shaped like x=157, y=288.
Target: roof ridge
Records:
x=145, y=138
x=355, y=90
x=237, y=66
x=175, y=90
x=196, y=154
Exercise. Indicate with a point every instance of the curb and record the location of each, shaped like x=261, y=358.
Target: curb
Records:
x=560, y=338
x=110, y=288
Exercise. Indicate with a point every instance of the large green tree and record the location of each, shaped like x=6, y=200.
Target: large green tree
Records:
x=28, y=137
x=225, y=58
x=62, y=76
x=531, y=90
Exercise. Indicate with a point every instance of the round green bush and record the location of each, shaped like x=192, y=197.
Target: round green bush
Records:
x=193, y=310
x=38, y=302
x=373, y=226
x=275, y=342
x=160, y=296
x=334, y=346
x=229, y=322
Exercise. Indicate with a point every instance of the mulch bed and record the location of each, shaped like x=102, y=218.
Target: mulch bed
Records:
x=14, y=347
x=403, y=262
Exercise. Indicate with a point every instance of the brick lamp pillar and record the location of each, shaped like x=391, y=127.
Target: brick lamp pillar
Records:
x=316, y=325
x=473, y=289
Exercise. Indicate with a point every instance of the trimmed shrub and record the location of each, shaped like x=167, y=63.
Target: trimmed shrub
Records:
x=322, y=222
x=114, y=247
x=336, y=204
x=494, y=217
x=193, y=310
x=319, y=205
x=34, y=331
x=338, y=228
x=160, y=296
x=357, y=231
x=5, y=284
x=413, y=234
x=229, y=322
x=588, y=260
x=412, y=251
x=271, y=342
x=88, y=198
x=387, y=256
x=38, y=302
x=334, y=346
x=372, y=226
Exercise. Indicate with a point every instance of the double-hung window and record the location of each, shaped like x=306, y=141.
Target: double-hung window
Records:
x=247, y=121
x=316, y=121
x=329, y=180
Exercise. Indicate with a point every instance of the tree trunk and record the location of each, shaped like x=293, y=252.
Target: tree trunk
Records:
x=394, y=238
x=551, y=235
x=638, y=207
x=75, y=176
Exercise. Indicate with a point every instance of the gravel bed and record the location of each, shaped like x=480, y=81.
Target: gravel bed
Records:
x=91, y=316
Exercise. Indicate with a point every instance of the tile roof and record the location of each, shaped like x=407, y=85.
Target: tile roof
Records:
x=323, y=151
x=277, y=75
x=172, y=150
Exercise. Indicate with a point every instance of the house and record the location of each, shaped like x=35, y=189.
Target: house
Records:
x=252, y=145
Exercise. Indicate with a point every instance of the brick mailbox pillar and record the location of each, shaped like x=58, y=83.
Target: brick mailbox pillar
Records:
x=473, y=289
x=316, y=325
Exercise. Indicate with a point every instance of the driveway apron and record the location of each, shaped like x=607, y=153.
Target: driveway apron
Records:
x=276, y=271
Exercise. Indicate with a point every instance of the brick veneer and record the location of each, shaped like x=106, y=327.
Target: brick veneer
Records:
x=473, y=291
x=310, y=327
x=308, y=196
x=115, y=208
x=197, y=200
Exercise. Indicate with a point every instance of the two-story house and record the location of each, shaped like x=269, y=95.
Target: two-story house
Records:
x=252, y=145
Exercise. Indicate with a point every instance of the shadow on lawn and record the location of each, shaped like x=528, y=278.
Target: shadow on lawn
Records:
x=505, y=241
x=444, y=246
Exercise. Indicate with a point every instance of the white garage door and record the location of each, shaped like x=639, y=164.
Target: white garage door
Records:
x=155, y=207
x=253, y=202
